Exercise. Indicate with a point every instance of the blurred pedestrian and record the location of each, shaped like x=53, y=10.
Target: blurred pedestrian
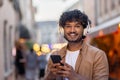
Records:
x=42, y=65
x=31, y=65
x=19, y=62
x=81, y=60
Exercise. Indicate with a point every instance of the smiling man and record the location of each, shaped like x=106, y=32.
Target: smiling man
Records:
x=81, y=60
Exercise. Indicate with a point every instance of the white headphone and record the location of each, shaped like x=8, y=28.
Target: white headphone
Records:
x=85, y=32
x=61, y=31
x=87, y=29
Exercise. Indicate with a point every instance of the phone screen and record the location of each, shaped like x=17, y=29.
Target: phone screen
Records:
x=56, y=59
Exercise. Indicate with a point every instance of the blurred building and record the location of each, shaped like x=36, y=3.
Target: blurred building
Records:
x=47, y=32
x=16, y=21
x=107, y=16
x=8, y=21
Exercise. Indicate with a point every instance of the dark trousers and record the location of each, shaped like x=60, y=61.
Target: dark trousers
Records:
x=41, y=73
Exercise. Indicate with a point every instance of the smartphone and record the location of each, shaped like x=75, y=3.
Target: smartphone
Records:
x=56, y=59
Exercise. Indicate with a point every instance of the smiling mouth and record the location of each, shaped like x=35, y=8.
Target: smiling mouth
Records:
x=72, y=34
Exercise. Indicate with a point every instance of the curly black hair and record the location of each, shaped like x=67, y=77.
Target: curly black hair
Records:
x=74, y=15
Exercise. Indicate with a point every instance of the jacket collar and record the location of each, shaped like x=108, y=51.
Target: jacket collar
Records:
x=63, y=51
x=83, y=50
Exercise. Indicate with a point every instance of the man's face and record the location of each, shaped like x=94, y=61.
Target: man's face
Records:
x=73, y=31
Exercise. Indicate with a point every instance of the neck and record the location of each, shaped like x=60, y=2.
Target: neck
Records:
x=75, y=46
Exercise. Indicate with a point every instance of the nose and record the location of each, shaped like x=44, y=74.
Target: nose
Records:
x=72, y=29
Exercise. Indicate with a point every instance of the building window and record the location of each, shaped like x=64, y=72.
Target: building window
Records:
x=10, y=0
x=106, y=6
x=10, y=46
x=100, y=7
x=112, y=4
x=1, y=3
x=5, y=46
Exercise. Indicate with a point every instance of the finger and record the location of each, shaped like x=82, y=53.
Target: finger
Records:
x=62, y=61
x=53, y=70
x=67, y=65
x=64, y=68
x=63, y=73
x=55, y=65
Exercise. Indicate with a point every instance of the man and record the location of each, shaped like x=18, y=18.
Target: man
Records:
x=81, y=60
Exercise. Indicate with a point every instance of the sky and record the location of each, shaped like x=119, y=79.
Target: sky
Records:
x=50, y=10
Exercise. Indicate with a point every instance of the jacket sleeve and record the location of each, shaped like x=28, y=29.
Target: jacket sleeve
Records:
x=101, y=69
x=47, y=72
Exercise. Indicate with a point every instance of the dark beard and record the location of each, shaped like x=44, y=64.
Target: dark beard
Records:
x=74, y=41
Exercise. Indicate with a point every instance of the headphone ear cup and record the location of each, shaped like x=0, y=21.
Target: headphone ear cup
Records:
x=61, y=31
x=85, y=32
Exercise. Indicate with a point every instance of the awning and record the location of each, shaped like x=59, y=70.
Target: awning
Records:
x=106, y=28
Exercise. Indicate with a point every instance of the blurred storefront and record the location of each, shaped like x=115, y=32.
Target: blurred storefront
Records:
x=109, y=41
x=106, y=34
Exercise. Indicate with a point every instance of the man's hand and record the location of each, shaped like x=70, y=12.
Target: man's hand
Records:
x=52, y=71
x=67, y=71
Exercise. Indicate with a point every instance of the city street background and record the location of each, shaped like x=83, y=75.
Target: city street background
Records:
x=27, y=24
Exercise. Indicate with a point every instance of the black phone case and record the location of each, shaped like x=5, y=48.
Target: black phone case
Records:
x=56, y=58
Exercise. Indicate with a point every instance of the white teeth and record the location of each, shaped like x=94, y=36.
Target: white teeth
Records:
x=72, y=34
